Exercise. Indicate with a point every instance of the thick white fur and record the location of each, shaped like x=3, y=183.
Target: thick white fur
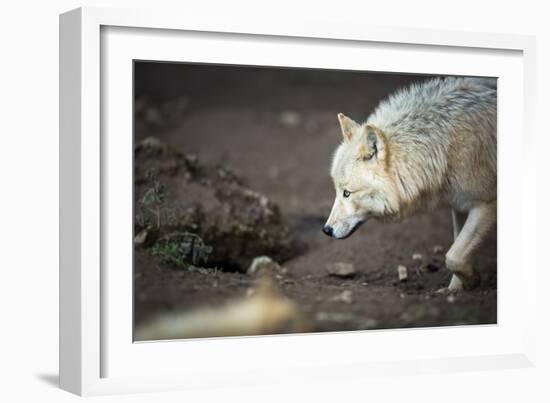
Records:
x=431, y=143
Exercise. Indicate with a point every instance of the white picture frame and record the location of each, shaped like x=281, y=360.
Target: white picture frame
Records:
x=96, y=354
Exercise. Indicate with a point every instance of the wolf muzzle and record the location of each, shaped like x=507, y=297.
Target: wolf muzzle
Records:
x=327, y=229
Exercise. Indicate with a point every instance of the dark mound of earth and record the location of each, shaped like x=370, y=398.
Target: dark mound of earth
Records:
x=188, y=213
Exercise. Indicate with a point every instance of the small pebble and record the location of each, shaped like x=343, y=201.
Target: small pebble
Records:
x=201, y=270
x=345, y=296
x=438, y=249
x=418, y=257
x=262, y=263
x=402, y=273
x=141, y=237
x=451, y=298
x=342, y=270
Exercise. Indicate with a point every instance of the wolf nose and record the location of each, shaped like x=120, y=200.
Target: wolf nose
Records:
x=327, y=229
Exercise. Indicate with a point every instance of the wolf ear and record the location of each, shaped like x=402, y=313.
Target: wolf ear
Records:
x=374, y=144
x=347, y=125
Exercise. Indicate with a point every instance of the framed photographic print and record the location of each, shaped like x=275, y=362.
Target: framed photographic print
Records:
x=244, y=203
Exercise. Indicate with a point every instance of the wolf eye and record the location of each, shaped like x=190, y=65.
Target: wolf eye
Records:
x=346, y=193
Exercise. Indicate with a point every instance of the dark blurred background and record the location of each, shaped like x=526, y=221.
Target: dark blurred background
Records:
x=276, y=126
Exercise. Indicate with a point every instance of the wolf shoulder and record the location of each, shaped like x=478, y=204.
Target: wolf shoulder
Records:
x=444, y=129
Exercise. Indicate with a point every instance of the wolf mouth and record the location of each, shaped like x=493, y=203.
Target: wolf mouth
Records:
x=350, y=233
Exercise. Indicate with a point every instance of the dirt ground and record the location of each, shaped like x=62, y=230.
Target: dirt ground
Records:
x=276, y=129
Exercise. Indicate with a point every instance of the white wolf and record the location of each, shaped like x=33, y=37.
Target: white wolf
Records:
x=430, y=143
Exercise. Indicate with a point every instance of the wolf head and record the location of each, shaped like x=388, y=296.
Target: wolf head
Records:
x=360, y=172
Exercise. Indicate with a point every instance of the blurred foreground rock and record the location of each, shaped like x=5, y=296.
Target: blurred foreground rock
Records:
x=265, y=312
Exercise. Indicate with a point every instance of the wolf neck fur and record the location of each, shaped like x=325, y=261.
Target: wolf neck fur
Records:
x=417, y=173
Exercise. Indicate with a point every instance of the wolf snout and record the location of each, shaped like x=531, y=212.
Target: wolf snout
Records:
x=327, y=229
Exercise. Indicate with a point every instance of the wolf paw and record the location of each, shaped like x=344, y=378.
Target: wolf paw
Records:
x=444, y=291
x=464, y=282
x=453, y=288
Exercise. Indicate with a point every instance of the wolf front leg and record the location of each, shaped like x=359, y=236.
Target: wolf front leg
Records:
x=459, y=258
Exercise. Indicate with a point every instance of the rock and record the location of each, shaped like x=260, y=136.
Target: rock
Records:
x=428, y=268
x=265, y=311
x=141, y=237
x=417, y=257
x=342, y=270
x=263, y=263
x=402, y=273
x=451, y=298
x=201, y=270
x=345, y=296
x=438, y=249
